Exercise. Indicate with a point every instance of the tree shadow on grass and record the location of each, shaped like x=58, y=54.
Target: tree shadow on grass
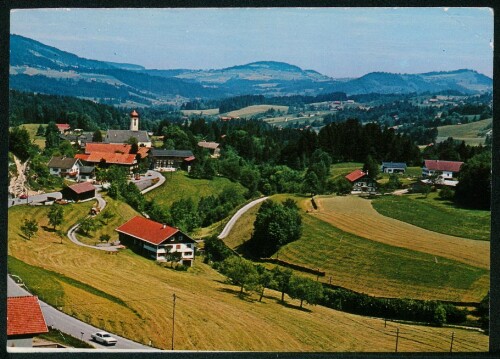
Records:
x=293, y=306
x=243, y=296
x=48, y=229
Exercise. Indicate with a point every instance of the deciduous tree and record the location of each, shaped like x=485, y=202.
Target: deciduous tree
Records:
x=29, y=228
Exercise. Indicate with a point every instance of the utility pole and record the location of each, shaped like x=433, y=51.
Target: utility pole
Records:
x=397, y=340
x=452, y=338
x=173, y=323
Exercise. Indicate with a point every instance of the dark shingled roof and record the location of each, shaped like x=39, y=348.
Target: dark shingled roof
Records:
x=62, y=162
x=122, y=136
x=171, y=153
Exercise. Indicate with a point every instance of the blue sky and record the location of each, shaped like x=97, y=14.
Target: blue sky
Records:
x=338, y=42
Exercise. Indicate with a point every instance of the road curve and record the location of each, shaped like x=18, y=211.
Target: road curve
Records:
x=73, y=326
x=237, y=216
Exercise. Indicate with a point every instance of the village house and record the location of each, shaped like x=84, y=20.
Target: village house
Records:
x=123, y=136
x=63, y=127
x=171, y=160
x=24, y=321
x=156, y=240
x=393, y=167
x=212, y=147
x=65, y=167
x=79, y=191
x=361, y=182
x=445, y=169
x=106, y=159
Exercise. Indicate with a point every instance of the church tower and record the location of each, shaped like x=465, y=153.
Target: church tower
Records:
x=134, y=121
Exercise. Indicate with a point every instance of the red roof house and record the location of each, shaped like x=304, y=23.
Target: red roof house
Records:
x=24, y=320
x=361, y=182
x=156, y=240
x=446, y=169
x=63, y=127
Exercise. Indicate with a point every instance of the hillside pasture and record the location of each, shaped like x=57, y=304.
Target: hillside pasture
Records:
x=436, y=215
x=255, y=110
x=131, y=296
x=179, y=185
x=467, y=132
x=356, y=215
x=32, y=129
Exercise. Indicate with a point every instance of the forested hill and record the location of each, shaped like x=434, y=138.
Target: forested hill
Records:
x=36, y=67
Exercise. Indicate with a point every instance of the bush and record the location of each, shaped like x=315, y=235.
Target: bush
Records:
x=446, y=193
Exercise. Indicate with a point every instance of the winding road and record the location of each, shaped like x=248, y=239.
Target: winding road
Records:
x=237, y=215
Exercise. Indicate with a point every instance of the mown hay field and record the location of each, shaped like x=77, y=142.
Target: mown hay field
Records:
x=211, y=111
x=132, y=296
x=356, y=215
x=255, y=110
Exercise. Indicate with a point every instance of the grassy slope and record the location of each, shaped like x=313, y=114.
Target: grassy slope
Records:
x=32, y=128
x=137, y=303
x=178, y=185
x=436, y=215
x=372, y=267
x=467, y=132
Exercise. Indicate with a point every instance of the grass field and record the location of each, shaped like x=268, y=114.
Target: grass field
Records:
x=372, y=267
x=436, y=215
x=32, y=128
x=132, y=296
x=357, y=216
x=467, y=132
x=179, y=185
x=255, y=110
x=212, y=111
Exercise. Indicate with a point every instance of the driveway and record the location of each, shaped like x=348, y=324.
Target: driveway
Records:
x=237, y=215
x=70, y=325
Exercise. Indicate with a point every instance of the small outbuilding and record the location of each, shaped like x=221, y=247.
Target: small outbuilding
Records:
x=393, y=167
x=24, y=321
x=79, y=191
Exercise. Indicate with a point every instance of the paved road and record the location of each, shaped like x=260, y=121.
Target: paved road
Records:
x=237, y=216
x=38, y=198
x=70, y=325
x=148, y=178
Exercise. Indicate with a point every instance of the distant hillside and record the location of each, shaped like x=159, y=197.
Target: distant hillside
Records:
x=35, y=67
x=473, y=133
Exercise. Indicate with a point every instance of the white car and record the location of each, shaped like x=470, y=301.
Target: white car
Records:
x=103, y=338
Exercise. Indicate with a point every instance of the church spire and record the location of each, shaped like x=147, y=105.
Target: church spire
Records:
x=134, y=121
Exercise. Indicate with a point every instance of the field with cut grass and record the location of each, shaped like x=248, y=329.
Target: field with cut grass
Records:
x=179, y=185
x=436, y=215
x=255, y=110
x=372, y=267
x=357, y=216
x=211, y=111
x=467, y=132
x=132, y=296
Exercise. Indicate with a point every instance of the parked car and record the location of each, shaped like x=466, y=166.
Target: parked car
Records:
x=103, y=338
x=23, y=196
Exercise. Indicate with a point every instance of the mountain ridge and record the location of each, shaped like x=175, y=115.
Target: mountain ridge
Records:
x=37, y=67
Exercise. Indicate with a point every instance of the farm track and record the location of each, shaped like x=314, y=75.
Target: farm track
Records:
x=357, y=216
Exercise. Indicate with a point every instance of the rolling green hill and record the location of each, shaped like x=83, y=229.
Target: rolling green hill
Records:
x=472, y=133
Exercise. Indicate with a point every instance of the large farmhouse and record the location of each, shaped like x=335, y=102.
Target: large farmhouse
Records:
x=157, y=240
x=65, y=167
x=393, y=167
x=445, y=169
x=171, y=159
x=361, y=182
x=24, y=321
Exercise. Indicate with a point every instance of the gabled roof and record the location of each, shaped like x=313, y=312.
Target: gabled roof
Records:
x=209, y=145
x=355, y=175
x=86, y=169
x=123, y=148
x=82, y=187
x=24, y=316
x=62, y=162
x=110, y=158
x=394, y=164
x=122, y=136
x=171, y=153
x=148, y=230
x=63, y=126
x=448, y=166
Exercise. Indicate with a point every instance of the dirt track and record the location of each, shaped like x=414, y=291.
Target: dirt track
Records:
x=356, y=215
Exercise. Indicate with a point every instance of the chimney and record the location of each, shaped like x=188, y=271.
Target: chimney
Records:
x=163, y=226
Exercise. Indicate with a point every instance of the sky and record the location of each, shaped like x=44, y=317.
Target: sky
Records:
x=337, y=42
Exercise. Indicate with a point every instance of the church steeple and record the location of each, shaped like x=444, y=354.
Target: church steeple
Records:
x=134, y=121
